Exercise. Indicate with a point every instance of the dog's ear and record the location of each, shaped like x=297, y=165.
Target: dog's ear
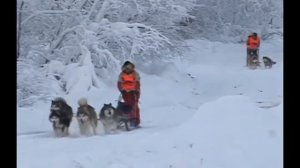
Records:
x=109, y=104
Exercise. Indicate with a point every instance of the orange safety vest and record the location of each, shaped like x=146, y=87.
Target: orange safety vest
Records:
x=253, y=43
x=129, y=81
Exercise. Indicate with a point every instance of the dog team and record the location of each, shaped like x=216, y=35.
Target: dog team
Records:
x=112, y=118
x=253, y=44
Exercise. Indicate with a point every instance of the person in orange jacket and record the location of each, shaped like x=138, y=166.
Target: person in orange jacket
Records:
x=129, y=86
x=253, y=44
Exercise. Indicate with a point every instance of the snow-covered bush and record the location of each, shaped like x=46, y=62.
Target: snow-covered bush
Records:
x=80, y=77
x=33, y=84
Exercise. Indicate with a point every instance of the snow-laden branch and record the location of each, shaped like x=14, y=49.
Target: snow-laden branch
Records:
x=62, y=35
x=49, y=12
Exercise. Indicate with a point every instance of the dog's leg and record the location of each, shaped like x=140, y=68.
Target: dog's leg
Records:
x=66, y=131
x=115, y=126
x=63, y=131
x=56, y=128
x=88, y=130
x=106, y=130
x=92, y=129
x=95, y=126
x=56, y=132
x=84, y=129
x=81, y=127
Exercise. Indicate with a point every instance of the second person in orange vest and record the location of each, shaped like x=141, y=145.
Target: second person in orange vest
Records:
x=129, y=86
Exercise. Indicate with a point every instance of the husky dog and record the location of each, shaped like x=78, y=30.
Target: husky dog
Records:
x=125, y=113
x=268, y=62
x=61, y=116
x=86, y=117
x=253, y=61
x=109, y=117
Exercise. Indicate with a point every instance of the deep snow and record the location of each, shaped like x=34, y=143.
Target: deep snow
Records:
x=208, y=112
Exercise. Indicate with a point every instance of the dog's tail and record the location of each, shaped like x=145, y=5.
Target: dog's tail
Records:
x=82, y=101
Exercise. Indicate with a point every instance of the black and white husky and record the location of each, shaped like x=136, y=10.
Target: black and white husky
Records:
x=61, y=116
x=110, y=118
x=268, y=62
x=86, y=117
x=253, y=60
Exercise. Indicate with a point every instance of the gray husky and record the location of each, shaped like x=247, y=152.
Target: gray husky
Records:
x=86, y=117
x=110, y=118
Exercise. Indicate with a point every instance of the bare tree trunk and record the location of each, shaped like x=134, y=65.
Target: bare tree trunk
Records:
x=19, y=29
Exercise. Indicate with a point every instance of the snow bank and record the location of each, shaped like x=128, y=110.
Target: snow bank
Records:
x=232, y=132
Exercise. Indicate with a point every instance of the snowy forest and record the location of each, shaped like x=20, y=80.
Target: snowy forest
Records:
x=60, y=41
x=200, y=106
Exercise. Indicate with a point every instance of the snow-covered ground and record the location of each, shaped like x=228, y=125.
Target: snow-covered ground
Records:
x=208, y=112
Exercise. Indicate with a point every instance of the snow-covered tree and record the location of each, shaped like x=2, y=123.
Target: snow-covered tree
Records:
x=80, y=77
x=233, y=20
x=33, y=83
x=105, y=33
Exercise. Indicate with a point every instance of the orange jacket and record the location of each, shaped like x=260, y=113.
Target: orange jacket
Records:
x=253, y=43
x=129, y=82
